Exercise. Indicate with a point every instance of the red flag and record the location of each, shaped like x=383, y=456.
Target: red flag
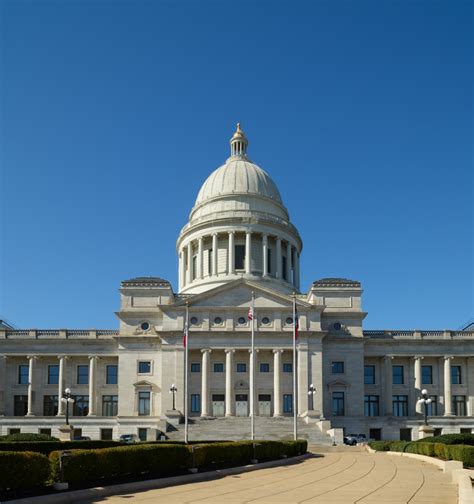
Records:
x=185, y=335
x=297, y=323
x=250, y=315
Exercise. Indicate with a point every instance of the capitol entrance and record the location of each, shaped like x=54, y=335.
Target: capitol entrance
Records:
x=241, y=405
x=264, y=404
x=218, y=405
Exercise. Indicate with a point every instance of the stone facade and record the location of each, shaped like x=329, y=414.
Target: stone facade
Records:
x=239, y=242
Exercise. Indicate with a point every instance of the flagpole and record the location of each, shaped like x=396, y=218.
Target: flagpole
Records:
x=295, y=400
x=186, y=346
x=252, y=373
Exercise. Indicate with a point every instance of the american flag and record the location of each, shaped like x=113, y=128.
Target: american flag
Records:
x=185, y=334
x=250, y=315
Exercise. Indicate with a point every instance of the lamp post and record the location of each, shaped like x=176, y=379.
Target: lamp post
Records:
x=66, y=398
x=173, y=391
x=425, y=399
x=311, y=392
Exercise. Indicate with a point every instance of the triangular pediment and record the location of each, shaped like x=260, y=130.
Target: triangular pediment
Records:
x=239, y=294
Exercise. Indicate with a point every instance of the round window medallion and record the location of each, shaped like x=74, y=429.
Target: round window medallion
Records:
x=194, y=320
x=265, y=320
x=241, y=320
x=145, y=326
x=217, y=320
x=337, y=326
x=289, y=320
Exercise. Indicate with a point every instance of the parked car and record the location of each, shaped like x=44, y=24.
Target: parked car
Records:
x=81, y=438
x=128, y=438
x=354, y=439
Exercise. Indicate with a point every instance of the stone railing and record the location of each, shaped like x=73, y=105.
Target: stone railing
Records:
x=57, y=333
x=394, y=334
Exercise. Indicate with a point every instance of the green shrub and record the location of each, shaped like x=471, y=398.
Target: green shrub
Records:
x=440, y=451
x=463, y=453
x=218, y=454
x=380, y=445
x=27, y=437
x=450, y=439
x=23, y=470
x=399, y=446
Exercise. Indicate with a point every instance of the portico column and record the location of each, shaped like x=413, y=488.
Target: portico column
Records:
x=62, y=371
x=248, y=249
x=265, y=254
x=419, y=406
x=231, y=265
x=214, y=254
x=206, y=357
x=277, y=409
x=229, y=370
x=288, y=262
x=388, y=385
x=199, y=259
x=31, y=367
x=92, y=385
x=278, y=258
x=448, y=409
x=297, y=270
x=189, y=258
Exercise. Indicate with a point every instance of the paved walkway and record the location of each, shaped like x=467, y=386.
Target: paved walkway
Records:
x=332, y=478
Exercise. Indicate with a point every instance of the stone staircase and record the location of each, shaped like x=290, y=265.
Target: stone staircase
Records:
x=238, y=428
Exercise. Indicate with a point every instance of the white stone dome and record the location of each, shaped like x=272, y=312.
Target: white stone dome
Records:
x=238, y=176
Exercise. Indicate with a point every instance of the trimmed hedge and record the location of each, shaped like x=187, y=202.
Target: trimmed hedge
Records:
x=155, y=460
x=23, y=470
x=462, y=453
x=27, y=437
x=450, y=439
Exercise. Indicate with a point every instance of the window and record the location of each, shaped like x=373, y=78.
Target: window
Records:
x=287, y=403
x=45, y=431
x=264, y=367
x=106, y=434
x=432, y=409
x=195, y=403
x=194, y=267
x=400, y=405
x=111, y=372
x=459, y=404
x=288, y=367
x=265, y=320
x=456, y=375
x=110, y=405
x=13, y=430
x=242, y=321
x=144, y=367
x=77, y=433
x=23, y=371
x=218, y=367
x=217, y=320
x=142, y=433
x=369, y=375
x=241, y=367
x=80, y=405
x=426, y=375
x=338, y=403
x=53, y=374
x=143, y=403
x=283, y=267
x=269, y=261
x=20, y=405
x=337, y=326
x=50, y=405
x=83, y=374
x=371, y=405
x=337, y=367
x=209, y=262
x=195, y=367
x=289, y=320
x=194, y=320
x=397, y=375
x=144, y=326
x=239, y=257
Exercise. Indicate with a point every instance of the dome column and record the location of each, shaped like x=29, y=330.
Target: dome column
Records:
x=288, y=262
x=265, y=254
x=278, y=258
x=296, y=267
x=248, y=248
x=199, y=261
x=189, y=277
x=230, y=253
x=214, y=253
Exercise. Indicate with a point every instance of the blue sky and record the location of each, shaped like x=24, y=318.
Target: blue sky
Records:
x=114, y=113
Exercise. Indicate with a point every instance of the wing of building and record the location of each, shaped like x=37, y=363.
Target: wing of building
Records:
x=239, y=243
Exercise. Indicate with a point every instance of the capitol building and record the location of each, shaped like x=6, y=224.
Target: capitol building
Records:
x=239, y=242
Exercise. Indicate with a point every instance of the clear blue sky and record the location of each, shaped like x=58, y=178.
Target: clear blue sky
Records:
x=114, y=113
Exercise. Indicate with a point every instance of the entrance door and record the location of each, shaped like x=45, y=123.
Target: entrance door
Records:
x=241, y=405
x=264, y=404
x=218, y=405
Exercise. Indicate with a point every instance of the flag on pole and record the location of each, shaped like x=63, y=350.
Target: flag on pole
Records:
x=185, y=334
x=297, y=323
x=250, y=315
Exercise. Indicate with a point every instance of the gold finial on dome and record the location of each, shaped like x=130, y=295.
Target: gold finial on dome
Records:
x=238, y=142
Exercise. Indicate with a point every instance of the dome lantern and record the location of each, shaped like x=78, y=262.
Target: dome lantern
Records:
x=238, y=143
